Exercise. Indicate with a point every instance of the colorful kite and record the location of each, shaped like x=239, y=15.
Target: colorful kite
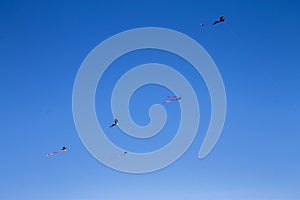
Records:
x=171, y=99
x=222, y=19
x=56, y=152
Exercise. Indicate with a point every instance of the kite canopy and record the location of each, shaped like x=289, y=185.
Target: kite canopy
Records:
x=116, y=121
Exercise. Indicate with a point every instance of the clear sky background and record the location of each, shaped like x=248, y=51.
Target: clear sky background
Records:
x=42, y=45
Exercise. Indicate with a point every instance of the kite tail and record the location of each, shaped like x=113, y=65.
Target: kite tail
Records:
x=118, y=155
x=166, y=101
x=53, y=153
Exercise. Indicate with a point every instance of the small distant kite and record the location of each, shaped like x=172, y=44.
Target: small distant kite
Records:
x=56, y=152
x=171, y=99
x=222, y=19
x=114, y=124
x=119, y=155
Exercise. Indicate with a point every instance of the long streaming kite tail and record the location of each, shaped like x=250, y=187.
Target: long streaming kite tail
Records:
x=172, y=97
x=53, y=153
x=167, y=101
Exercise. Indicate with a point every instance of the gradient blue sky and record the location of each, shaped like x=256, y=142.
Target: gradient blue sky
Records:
x=42, y=45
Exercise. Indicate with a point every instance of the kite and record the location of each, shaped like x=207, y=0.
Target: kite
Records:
x=171, y=99
x=119, y=155
x=222, y=19
x=114, y=124
x=56, y=152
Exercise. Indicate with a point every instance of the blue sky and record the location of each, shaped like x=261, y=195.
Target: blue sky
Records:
x=42, y=45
